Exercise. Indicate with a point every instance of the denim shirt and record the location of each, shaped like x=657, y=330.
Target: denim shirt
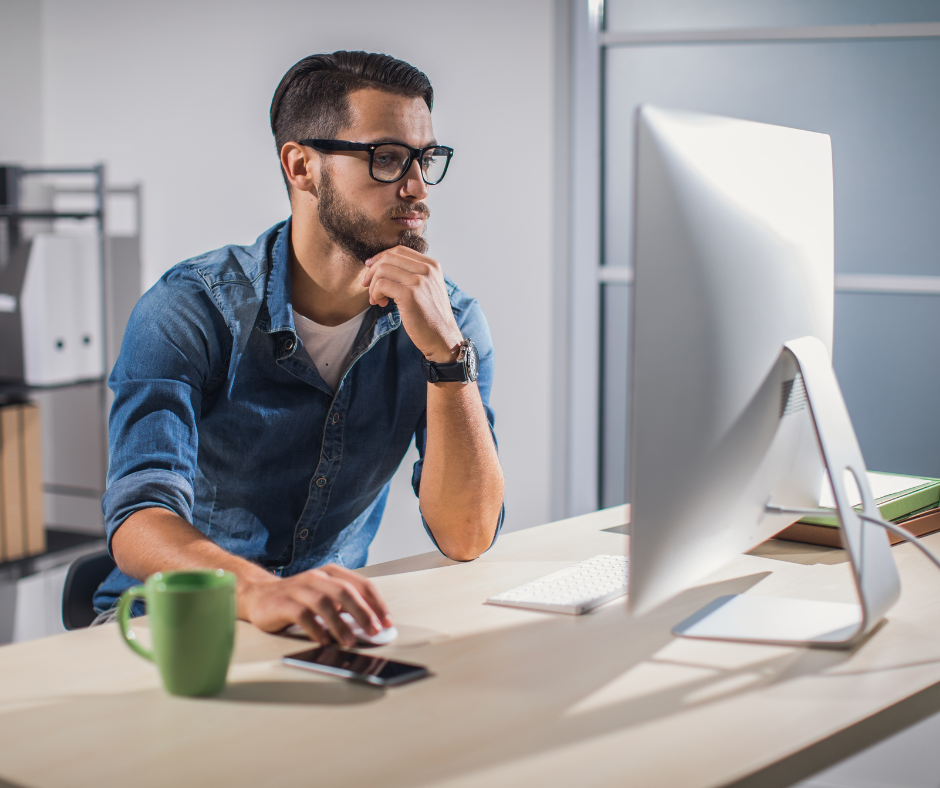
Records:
x=220, y=418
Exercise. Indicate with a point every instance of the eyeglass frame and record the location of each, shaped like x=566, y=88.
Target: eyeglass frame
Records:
x=334, y=146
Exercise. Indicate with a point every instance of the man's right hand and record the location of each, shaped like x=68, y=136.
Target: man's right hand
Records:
x=157, y=540
x=274, y=603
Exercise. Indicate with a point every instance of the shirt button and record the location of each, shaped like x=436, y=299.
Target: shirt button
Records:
x=288, y=344
x=335, y=418
x=303, y=534
x=321, y=481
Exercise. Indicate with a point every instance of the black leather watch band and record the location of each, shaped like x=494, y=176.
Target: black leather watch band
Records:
x=463, y=370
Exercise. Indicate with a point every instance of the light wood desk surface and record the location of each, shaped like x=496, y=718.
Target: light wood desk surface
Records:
x=519, y=698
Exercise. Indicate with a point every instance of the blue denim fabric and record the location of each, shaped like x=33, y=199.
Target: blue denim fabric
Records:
x=218, y=418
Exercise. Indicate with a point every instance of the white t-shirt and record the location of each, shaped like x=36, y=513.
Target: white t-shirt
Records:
x=329, y=347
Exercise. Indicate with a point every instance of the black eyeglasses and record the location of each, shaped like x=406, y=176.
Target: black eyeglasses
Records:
x=389, y=161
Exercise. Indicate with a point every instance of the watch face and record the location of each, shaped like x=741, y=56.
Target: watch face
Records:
x=473, y=362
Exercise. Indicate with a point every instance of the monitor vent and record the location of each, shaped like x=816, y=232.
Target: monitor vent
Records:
x=792, y=396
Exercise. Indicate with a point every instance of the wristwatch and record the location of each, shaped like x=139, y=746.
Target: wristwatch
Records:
x=464, y=370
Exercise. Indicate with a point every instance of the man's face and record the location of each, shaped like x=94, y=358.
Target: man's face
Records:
x=362, y=215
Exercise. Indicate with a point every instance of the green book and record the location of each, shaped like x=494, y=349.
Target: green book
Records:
x=897, y=497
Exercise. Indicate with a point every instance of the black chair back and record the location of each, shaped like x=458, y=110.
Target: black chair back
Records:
x=84, y=576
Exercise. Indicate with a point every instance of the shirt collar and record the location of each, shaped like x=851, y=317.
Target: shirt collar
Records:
x=278, y=293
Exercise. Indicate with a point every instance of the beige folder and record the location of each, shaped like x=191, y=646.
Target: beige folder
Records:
x=32, y=480
x=21, y=504
x=11, y=458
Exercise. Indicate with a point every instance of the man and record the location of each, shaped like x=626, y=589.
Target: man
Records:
x=265, y=395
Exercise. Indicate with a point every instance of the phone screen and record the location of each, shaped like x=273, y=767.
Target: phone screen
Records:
x=353, y=665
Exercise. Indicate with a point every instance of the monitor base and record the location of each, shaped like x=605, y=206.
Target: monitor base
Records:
x=803, y=622
x=780, y=621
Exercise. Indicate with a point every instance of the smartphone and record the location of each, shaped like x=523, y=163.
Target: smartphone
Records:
x=355, y=666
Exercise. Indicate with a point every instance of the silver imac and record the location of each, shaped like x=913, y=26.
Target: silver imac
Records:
x=735, y=410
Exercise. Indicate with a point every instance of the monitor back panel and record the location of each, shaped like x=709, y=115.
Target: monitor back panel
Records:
x=733, y=234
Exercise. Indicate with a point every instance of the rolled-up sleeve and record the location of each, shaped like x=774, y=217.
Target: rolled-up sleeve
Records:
x=172, y=351
x=473, y=325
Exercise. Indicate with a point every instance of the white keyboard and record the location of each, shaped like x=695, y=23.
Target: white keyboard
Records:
x=577, y=589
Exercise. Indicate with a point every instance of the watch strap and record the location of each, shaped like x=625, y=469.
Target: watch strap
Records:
x=454, y=372
x=463, y=370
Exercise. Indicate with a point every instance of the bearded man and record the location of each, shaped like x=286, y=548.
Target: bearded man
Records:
x=265, y=395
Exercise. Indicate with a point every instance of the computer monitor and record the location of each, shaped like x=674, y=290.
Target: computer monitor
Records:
x=732, y=318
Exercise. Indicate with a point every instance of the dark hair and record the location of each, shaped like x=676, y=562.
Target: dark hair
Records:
x=312, y=99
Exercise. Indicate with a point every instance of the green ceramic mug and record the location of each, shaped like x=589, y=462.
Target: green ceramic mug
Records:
x=192, y=623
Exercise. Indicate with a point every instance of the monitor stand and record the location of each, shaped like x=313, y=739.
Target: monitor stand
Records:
x=800, y=622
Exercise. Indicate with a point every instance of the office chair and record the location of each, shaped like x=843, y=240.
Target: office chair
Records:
x=84, y=576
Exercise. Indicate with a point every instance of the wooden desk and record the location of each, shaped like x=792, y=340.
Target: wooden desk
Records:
x=519, y=698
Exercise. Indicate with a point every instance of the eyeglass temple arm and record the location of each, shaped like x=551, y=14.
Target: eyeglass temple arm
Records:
x=329, y=145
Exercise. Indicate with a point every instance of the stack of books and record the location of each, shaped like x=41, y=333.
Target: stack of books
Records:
x=910, y=501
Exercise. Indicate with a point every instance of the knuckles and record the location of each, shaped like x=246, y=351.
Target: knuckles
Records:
x=297, y=599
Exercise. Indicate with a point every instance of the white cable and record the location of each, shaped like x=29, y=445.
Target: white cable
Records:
x=903, y=533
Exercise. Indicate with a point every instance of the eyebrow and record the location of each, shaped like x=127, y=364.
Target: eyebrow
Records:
x=382, y=140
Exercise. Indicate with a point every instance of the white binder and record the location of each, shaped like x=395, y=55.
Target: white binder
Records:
x=61, y=310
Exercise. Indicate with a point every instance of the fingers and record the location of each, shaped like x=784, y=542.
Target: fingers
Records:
x=327, y=591
x=313, y=600
x=390, y=273
x=405, y=258
x=373, y=277
x=308, y=622
x=383, y=289
x=390, y=269
x=338, y=628
x=277, y=611
x=365, y=588
x=404, y=252
x=345, y=596
x=400, y=257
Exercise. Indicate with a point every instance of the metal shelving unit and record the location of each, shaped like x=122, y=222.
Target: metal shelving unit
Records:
x=13, y=214
x=77, y=402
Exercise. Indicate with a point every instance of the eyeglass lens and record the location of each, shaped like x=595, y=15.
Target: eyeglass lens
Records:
x=390, y=161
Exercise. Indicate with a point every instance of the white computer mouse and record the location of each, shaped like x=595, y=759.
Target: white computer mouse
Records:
x=382, y=638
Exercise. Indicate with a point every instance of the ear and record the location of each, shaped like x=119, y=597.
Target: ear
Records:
x=301, y=164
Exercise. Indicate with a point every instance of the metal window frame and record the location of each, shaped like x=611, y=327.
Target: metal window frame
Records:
x=768, y=34
x=576, y=401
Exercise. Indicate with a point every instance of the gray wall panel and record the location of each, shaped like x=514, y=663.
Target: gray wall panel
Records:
x=615, y=305
x=878, y=100
x=886, y=353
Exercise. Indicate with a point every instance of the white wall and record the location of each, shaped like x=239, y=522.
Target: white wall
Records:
x=20, y=105
x=176, y=95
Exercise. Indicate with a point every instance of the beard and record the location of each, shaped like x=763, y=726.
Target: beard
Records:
x=358, y=235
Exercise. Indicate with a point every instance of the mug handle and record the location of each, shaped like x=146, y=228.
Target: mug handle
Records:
x=123, y=619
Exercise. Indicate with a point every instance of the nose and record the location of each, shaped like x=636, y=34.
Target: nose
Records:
x=413, y=185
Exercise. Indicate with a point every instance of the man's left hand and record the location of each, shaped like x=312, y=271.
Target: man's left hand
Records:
x=416, y=283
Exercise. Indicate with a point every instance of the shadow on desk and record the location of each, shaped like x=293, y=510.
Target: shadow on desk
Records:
x=550, y=684
x=299, y=693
